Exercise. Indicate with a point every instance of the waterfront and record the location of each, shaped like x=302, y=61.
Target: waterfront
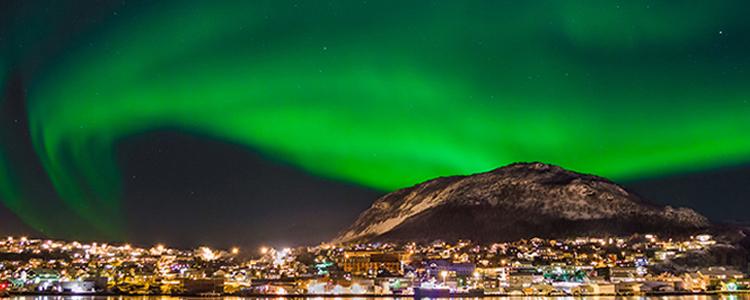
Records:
x=675, y=297
x=636, y=265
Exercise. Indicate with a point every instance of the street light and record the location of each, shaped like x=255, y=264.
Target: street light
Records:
x=444, y=274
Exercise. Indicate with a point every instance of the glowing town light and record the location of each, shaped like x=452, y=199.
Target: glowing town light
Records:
x=316, y=287
x=235, y=250
x=280, y=256
x=263, y=250
x=206, y=253
x=338, y=289
x=357, y=289
x=731, y=287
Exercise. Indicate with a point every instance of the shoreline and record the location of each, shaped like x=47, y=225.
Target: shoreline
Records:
x=456, y=295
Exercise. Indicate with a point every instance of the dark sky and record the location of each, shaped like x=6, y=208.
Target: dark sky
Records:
x=240, y=123
x=183, y=189
x=720, y=194
x=186, y=190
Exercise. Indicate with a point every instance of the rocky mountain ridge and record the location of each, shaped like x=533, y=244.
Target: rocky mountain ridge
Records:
x=520, y=200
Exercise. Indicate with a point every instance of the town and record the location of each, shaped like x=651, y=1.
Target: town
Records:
x=634, y=265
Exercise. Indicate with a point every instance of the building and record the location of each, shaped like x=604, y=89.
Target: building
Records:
x=592, y=288
x=628, y=288
x=371, y=263
x=520, y=278
x=201, y=286
x=721, y=273
x=620, y=274
x=4, y=287
x=435, y=268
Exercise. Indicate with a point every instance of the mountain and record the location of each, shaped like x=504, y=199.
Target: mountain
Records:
x=521, y=200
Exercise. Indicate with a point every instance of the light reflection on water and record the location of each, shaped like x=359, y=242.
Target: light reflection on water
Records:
x=683, y=297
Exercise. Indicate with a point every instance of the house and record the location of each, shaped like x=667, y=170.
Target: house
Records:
x=628, y=288
x=524, y=277
x=371, y=263
x=592, y=288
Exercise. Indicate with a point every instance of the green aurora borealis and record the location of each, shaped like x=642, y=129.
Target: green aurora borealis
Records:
x=379, y=93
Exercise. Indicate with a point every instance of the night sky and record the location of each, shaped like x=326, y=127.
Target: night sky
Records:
x=276, y=122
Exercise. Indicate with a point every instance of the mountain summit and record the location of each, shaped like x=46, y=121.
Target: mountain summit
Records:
x=521, y=200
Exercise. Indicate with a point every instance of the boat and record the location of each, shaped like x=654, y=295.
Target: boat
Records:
x=473, y=293
x=445, y=292
x=432, y=292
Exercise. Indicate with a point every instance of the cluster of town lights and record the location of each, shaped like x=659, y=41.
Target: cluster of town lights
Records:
x=611, y=265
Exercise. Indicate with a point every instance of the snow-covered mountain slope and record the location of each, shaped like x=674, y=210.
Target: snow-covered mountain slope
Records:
x=516, y=201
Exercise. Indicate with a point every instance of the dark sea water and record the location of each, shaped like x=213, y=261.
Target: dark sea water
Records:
x=684, y=297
